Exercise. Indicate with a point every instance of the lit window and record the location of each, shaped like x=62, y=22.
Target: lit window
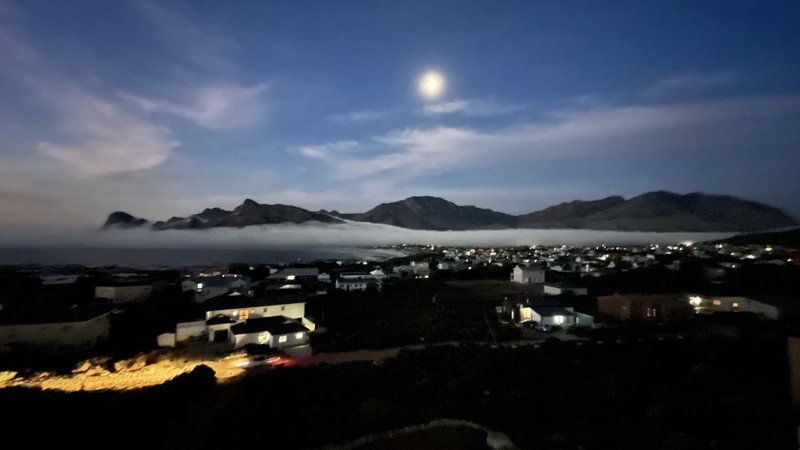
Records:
x=290, y=278
x=298, y=335
x=244, y=314
x=716, y=302
x=282, y=339
x=558, y=320
x=735, y=305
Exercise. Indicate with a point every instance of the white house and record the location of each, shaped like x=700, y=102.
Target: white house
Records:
x=709, y=305
x=352, y=284
x=561, y=316
x=275, y=332
x=525, y=275
x=224, y=312
x=55, y=331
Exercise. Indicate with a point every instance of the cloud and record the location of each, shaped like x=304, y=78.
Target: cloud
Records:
x=325, y=151
x=486, y=107
x=411, y=152
x=215, y=106
x=692, y=82
x=287, y=242
x=364, y=115
x=102, y=138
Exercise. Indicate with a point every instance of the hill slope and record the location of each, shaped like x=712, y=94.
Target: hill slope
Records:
x=433, y=213
x=653, y=211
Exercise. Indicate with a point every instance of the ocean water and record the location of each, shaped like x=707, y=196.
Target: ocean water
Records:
x=282, y=243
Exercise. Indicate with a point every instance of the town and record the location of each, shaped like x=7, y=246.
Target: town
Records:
x=529, y=293
x=115, y=329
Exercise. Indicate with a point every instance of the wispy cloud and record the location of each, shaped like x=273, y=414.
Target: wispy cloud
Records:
x=364, y=115
x=476, y=107
x=101, y=138
x=328, y=150
x=411, y=152
x=223, y=106
x=692, y=82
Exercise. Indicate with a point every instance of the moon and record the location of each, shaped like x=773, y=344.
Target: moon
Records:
x=431, y=85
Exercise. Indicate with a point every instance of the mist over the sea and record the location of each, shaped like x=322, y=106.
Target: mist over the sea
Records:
x=282, y=243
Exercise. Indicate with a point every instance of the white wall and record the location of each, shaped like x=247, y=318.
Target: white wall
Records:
x=124, y=294
x=56, y=336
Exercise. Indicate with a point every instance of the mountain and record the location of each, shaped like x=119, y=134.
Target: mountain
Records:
x=667, y=211
x=433, y=213
x=121, y=219
x=248, y=213
x=567, y=215
x=653, y=211
x=787, y=238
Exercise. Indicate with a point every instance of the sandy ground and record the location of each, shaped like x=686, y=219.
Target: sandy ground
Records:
x=159, y=366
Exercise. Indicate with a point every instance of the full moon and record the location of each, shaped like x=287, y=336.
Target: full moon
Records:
x=431, y=85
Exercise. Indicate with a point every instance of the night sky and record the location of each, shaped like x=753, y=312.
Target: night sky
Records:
x=165, y=108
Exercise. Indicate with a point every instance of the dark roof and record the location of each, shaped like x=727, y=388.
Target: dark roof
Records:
x=231, y=301
x=274, y=325
x=50, y=314
x=218, y=320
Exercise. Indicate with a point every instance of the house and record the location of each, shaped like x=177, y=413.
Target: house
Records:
x=562, y=288
x=295, y=274
x=56, y=330
x=350, y=281
x=275, y=332
x=644, y=307
x=710, y=305
x=224, y=312
x=526, y=275
x=553, y=315
x=205, y=288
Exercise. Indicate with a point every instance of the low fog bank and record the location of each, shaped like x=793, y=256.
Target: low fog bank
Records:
x=309, y=236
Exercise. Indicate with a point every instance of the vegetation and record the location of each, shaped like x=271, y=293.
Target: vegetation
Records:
x=677, y=394
x=410, y=312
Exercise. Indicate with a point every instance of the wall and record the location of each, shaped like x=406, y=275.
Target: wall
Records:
x=56, y=337
x=124, y=294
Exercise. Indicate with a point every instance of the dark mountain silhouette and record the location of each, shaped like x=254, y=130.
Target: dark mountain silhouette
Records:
x=653, y=211
x=433, y=213
x=119, y=219
x=787, y=238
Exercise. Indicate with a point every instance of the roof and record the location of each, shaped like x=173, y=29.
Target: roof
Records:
x=530, y=269
x=230, y=301
x=219, y=320
x=550, y=311
x=296, y=271
x=274, y=325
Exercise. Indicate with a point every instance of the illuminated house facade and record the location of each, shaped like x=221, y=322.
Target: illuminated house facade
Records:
x=235, y=313
x=527, y=275
x=711, y=304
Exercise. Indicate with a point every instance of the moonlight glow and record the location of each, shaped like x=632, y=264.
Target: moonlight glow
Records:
x=431, y=85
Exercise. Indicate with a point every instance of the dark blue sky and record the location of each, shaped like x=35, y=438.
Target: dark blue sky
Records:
x=163, y=108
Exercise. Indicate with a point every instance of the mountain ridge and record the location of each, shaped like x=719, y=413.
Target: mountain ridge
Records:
x=660, y=211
